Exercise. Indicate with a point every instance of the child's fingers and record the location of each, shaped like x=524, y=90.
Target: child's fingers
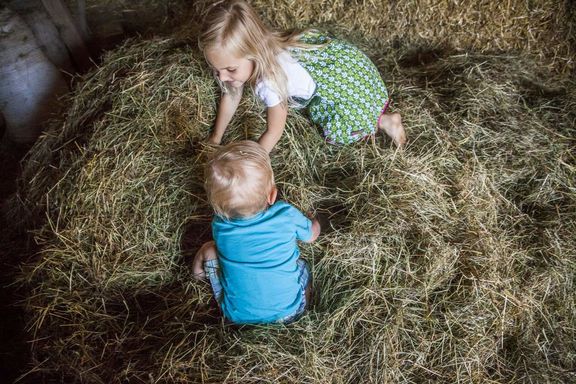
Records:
x=205, y=149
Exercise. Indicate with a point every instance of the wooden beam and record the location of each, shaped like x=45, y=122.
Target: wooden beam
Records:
x=71, y=35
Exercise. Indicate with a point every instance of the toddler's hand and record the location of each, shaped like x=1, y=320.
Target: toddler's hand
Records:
x=315, y=230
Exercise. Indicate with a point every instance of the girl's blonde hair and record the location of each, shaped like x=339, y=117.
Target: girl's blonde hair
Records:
x=233, y=26
x=239, y=179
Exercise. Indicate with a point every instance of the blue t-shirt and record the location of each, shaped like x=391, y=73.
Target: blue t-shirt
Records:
x=257, y=258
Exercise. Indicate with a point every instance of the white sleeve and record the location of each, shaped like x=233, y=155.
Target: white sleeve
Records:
x=299, y=82
x=267, y=94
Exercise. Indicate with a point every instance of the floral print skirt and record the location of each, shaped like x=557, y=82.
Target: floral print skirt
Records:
x=350, y=93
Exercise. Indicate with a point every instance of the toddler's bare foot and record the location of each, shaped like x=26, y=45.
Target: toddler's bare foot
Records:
x=391, y=124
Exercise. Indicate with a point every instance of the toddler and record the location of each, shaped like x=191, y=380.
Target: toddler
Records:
x=253, y=264
x=339, y=85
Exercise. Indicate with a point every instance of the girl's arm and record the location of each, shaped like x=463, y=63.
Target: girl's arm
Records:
x=276, y=117
x=226, y=109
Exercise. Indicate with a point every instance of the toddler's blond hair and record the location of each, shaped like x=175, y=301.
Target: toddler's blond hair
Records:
x=239, y=179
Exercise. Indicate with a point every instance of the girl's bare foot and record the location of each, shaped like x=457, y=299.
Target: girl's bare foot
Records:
x=391, y=124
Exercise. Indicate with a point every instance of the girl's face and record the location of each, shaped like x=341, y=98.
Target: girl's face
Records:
x=234, y=71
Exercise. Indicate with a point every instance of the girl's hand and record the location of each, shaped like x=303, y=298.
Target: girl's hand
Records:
x=213, y=140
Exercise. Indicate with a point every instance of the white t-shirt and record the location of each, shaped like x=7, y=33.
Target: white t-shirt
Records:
x=300, y=83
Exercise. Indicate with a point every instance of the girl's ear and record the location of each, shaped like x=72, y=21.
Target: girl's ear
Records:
x=272, y=195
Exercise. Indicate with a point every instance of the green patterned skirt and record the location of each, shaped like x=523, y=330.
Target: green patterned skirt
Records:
x=350, y=93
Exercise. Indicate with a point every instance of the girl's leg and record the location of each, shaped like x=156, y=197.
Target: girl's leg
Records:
x=391, y=124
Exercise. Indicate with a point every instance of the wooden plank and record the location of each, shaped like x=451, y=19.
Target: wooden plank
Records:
x=45, y=32
x=71, y=35
x=81, y=17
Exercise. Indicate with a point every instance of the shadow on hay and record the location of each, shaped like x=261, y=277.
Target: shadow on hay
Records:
x=14, y=353
x=133, y=330
x=332, y=215
x=196, y=232
x=421, y=56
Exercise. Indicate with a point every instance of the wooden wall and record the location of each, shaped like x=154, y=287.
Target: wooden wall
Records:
x=70, y=35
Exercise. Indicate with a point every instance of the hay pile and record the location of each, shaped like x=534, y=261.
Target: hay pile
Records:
x=451, y=261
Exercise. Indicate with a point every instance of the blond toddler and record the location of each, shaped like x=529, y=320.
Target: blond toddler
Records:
x=253, y=263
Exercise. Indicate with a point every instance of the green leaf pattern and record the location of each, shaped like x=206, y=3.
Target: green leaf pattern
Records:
x=350, y=92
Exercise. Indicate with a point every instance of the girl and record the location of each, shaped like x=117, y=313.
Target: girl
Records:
x=338, y=84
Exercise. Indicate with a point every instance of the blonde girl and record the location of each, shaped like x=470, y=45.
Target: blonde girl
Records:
x=338, y=85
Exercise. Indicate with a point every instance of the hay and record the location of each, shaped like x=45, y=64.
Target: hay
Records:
x=451, y=261
x=543, y=28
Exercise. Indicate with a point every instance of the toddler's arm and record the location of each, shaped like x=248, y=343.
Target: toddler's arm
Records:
x=276, y=118
x=206, y=252
x=226, y=109
x=315, y=231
